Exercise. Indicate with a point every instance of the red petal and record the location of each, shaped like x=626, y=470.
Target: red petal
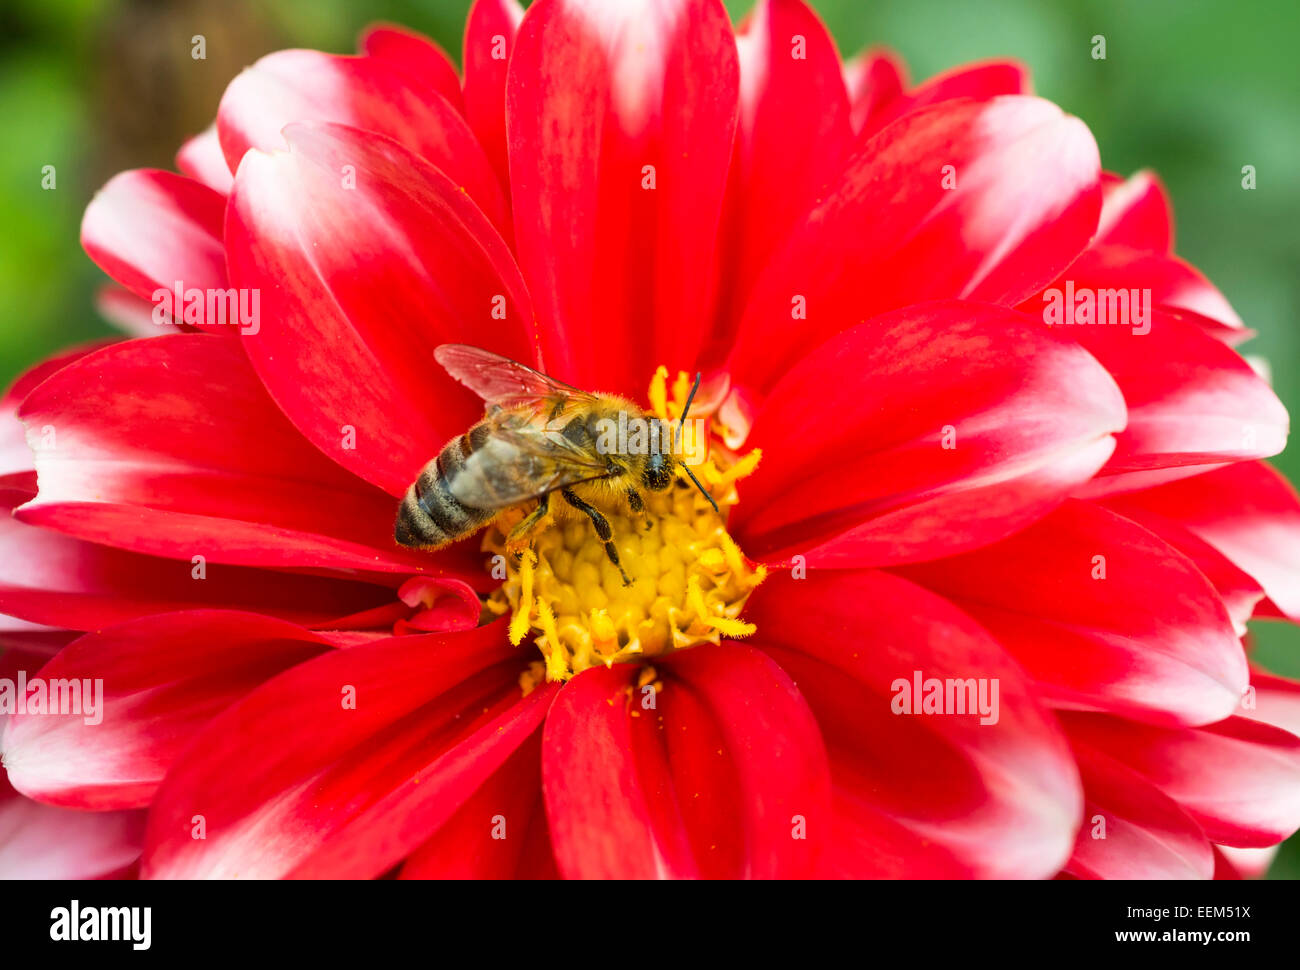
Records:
x=870, y=844
x=622, y=783
x=151, y=230
x=1136, y=213
x=1238, y=591
x=1240, y=779
x=1276, y=701
x=489, y=834
x=921, y=433
x=160, y=679
x=1173, y=284
x=1233, y=862
x=424, y=63
x=1232, y=336
x=874, y=79
x=1247, y=511
x=607, y=783
x=130, y=314
x=621, y=274
x=489, y=36
x=343, y=765
x=50, y=578
x=15, y=453
x=976, y=81
x=1104, y=615
x=41, y=842
x=1191, y=400
x=201, y=158
x=998, y=799
x=20, y=637
x=350, y=329
x=171, y=447
x=444, y=605
x=401, y=821
x=784, y=152
x=362, y=92
x=782, y=779
x=1132, y=830
x=894, y=231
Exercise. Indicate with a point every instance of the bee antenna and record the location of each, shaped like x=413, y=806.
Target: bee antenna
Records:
x=678, y=440
x=703, y=491
x=682, y=422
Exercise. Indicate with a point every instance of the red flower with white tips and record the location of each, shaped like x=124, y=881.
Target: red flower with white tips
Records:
x=1072, y=520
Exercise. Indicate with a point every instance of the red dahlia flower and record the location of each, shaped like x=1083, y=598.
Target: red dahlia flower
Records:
x=976, y=611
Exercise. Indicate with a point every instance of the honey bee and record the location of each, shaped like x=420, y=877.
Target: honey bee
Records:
x=538, y=436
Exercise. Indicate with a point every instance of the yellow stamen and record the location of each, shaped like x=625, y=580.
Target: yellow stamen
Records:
x=523, y=608
x=659, y=392
x=690, y=579
x=741, y=468
x=533, y=677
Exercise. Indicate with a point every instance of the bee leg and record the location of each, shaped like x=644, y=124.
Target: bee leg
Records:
x=637, y=504
x=519, y=534
x=603, y=531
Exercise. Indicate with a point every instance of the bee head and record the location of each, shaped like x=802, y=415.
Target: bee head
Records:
x=658, y=474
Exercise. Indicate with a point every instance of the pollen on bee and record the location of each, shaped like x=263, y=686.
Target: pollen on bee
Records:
x=690, y=580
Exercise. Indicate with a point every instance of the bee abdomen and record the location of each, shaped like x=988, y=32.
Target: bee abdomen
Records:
x=430, y=514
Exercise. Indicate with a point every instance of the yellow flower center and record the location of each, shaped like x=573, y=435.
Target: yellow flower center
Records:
x=689, y=584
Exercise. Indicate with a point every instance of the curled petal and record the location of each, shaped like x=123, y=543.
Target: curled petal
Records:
x=443, y=605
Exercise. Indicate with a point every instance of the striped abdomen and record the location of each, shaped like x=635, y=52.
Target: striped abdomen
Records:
x=430, y=514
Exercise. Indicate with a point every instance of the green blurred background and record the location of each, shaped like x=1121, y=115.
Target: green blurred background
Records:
x=1194, y=89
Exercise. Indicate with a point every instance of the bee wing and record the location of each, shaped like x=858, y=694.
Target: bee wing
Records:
x=518, y=463
x=499, y=380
